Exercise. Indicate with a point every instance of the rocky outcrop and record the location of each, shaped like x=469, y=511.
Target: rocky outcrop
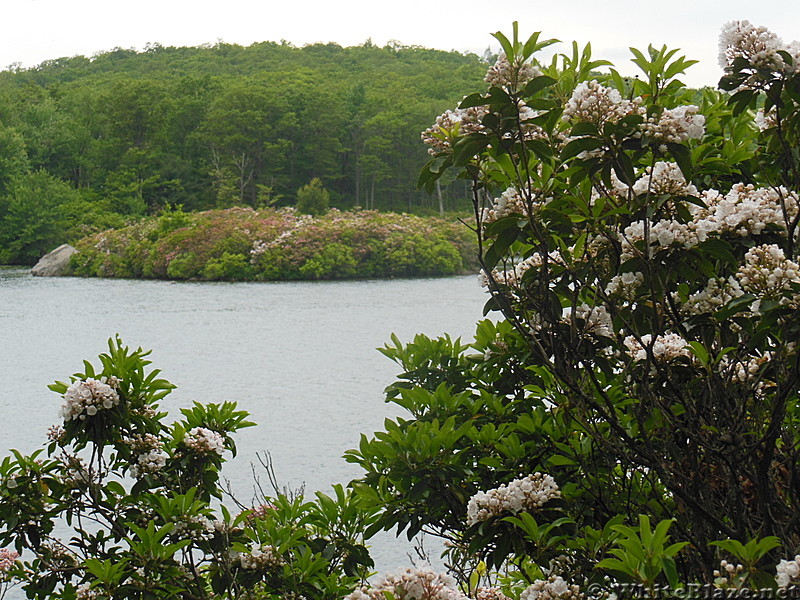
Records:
x=55, y=263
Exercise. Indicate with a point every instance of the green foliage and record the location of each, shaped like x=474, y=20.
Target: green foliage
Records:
x=752, y=574
x=478, y=418
x=222, y=126
x=642, y=555
x=228, y=267
x=170, y=220
x=147, y=489
x=184, y=266
x=313, y=199
x=334, y=261
x=635, y=238
x=39, y=212
x=13, y=159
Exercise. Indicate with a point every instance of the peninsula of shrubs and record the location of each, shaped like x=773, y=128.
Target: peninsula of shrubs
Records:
x=244, y=244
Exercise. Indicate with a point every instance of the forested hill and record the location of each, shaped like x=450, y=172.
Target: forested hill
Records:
x=91, y=142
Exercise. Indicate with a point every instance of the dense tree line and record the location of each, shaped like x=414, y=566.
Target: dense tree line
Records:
x=87, y=143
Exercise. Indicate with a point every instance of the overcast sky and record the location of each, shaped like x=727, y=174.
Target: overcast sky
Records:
x=32, y=31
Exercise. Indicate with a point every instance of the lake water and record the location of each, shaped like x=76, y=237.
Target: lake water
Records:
x=299, y=356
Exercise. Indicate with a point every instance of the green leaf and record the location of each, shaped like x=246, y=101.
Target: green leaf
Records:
x=537, y=84
x=615, y=565
x=720, y=249
x=623, y=167
x=476, y=99
x=738, y=304
x=683, y=156
x=671, y=572
x=584, y=128
x=508, y=48
x=496, y=227
x=575, y=147
x=741, y=101
x=533, y=44
x=558, y=460
x=700, y=352
x=468, y=147
x=500, y=246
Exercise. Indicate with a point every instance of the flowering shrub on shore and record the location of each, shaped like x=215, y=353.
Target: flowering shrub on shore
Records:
x=242, y=244
x=640, y=241
x=121, y=504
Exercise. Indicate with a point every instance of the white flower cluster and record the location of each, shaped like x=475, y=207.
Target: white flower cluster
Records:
x=593, y=103
x=451, y=124
x=85, y=398
x=204, y=441
x=552, y=588
x=85, y=592
x=528, y=493
x=505, y=74
x=788, y=572
x=261, y=246
x=260, y=559
x=412, y=583
x=712, y=297
x=490, y=593
x=560, y=564
x=504, y=277
x=664, y=233
x=597, y=246
x=151, y=462
x=471, y=119
x=528, y=129
x=58, y=555
x=76, y=473
x=285, y=238
x=745, y=210
x=664, y=178
x=596, y=320
x=618, y=190
x=149, y=452
x=210, y=528
x=744, y=372
x=665, y=348
x=197, y=527
x=260, y=512
x=56, y=433
x=7, y=559
x=728, y=574
x=438, y=136
x=675, y=125
x=496, y=347
x=513, y=277
x=526, y=113
x=625, y=285
x=767, y=273
x=758, y=45
x=510, y=202
x=767, y=120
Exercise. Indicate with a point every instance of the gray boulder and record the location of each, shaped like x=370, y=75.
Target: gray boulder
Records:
x=55, y=263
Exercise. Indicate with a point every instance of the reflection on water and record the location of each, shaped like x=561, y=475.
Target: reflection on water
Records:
x=299, y=356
